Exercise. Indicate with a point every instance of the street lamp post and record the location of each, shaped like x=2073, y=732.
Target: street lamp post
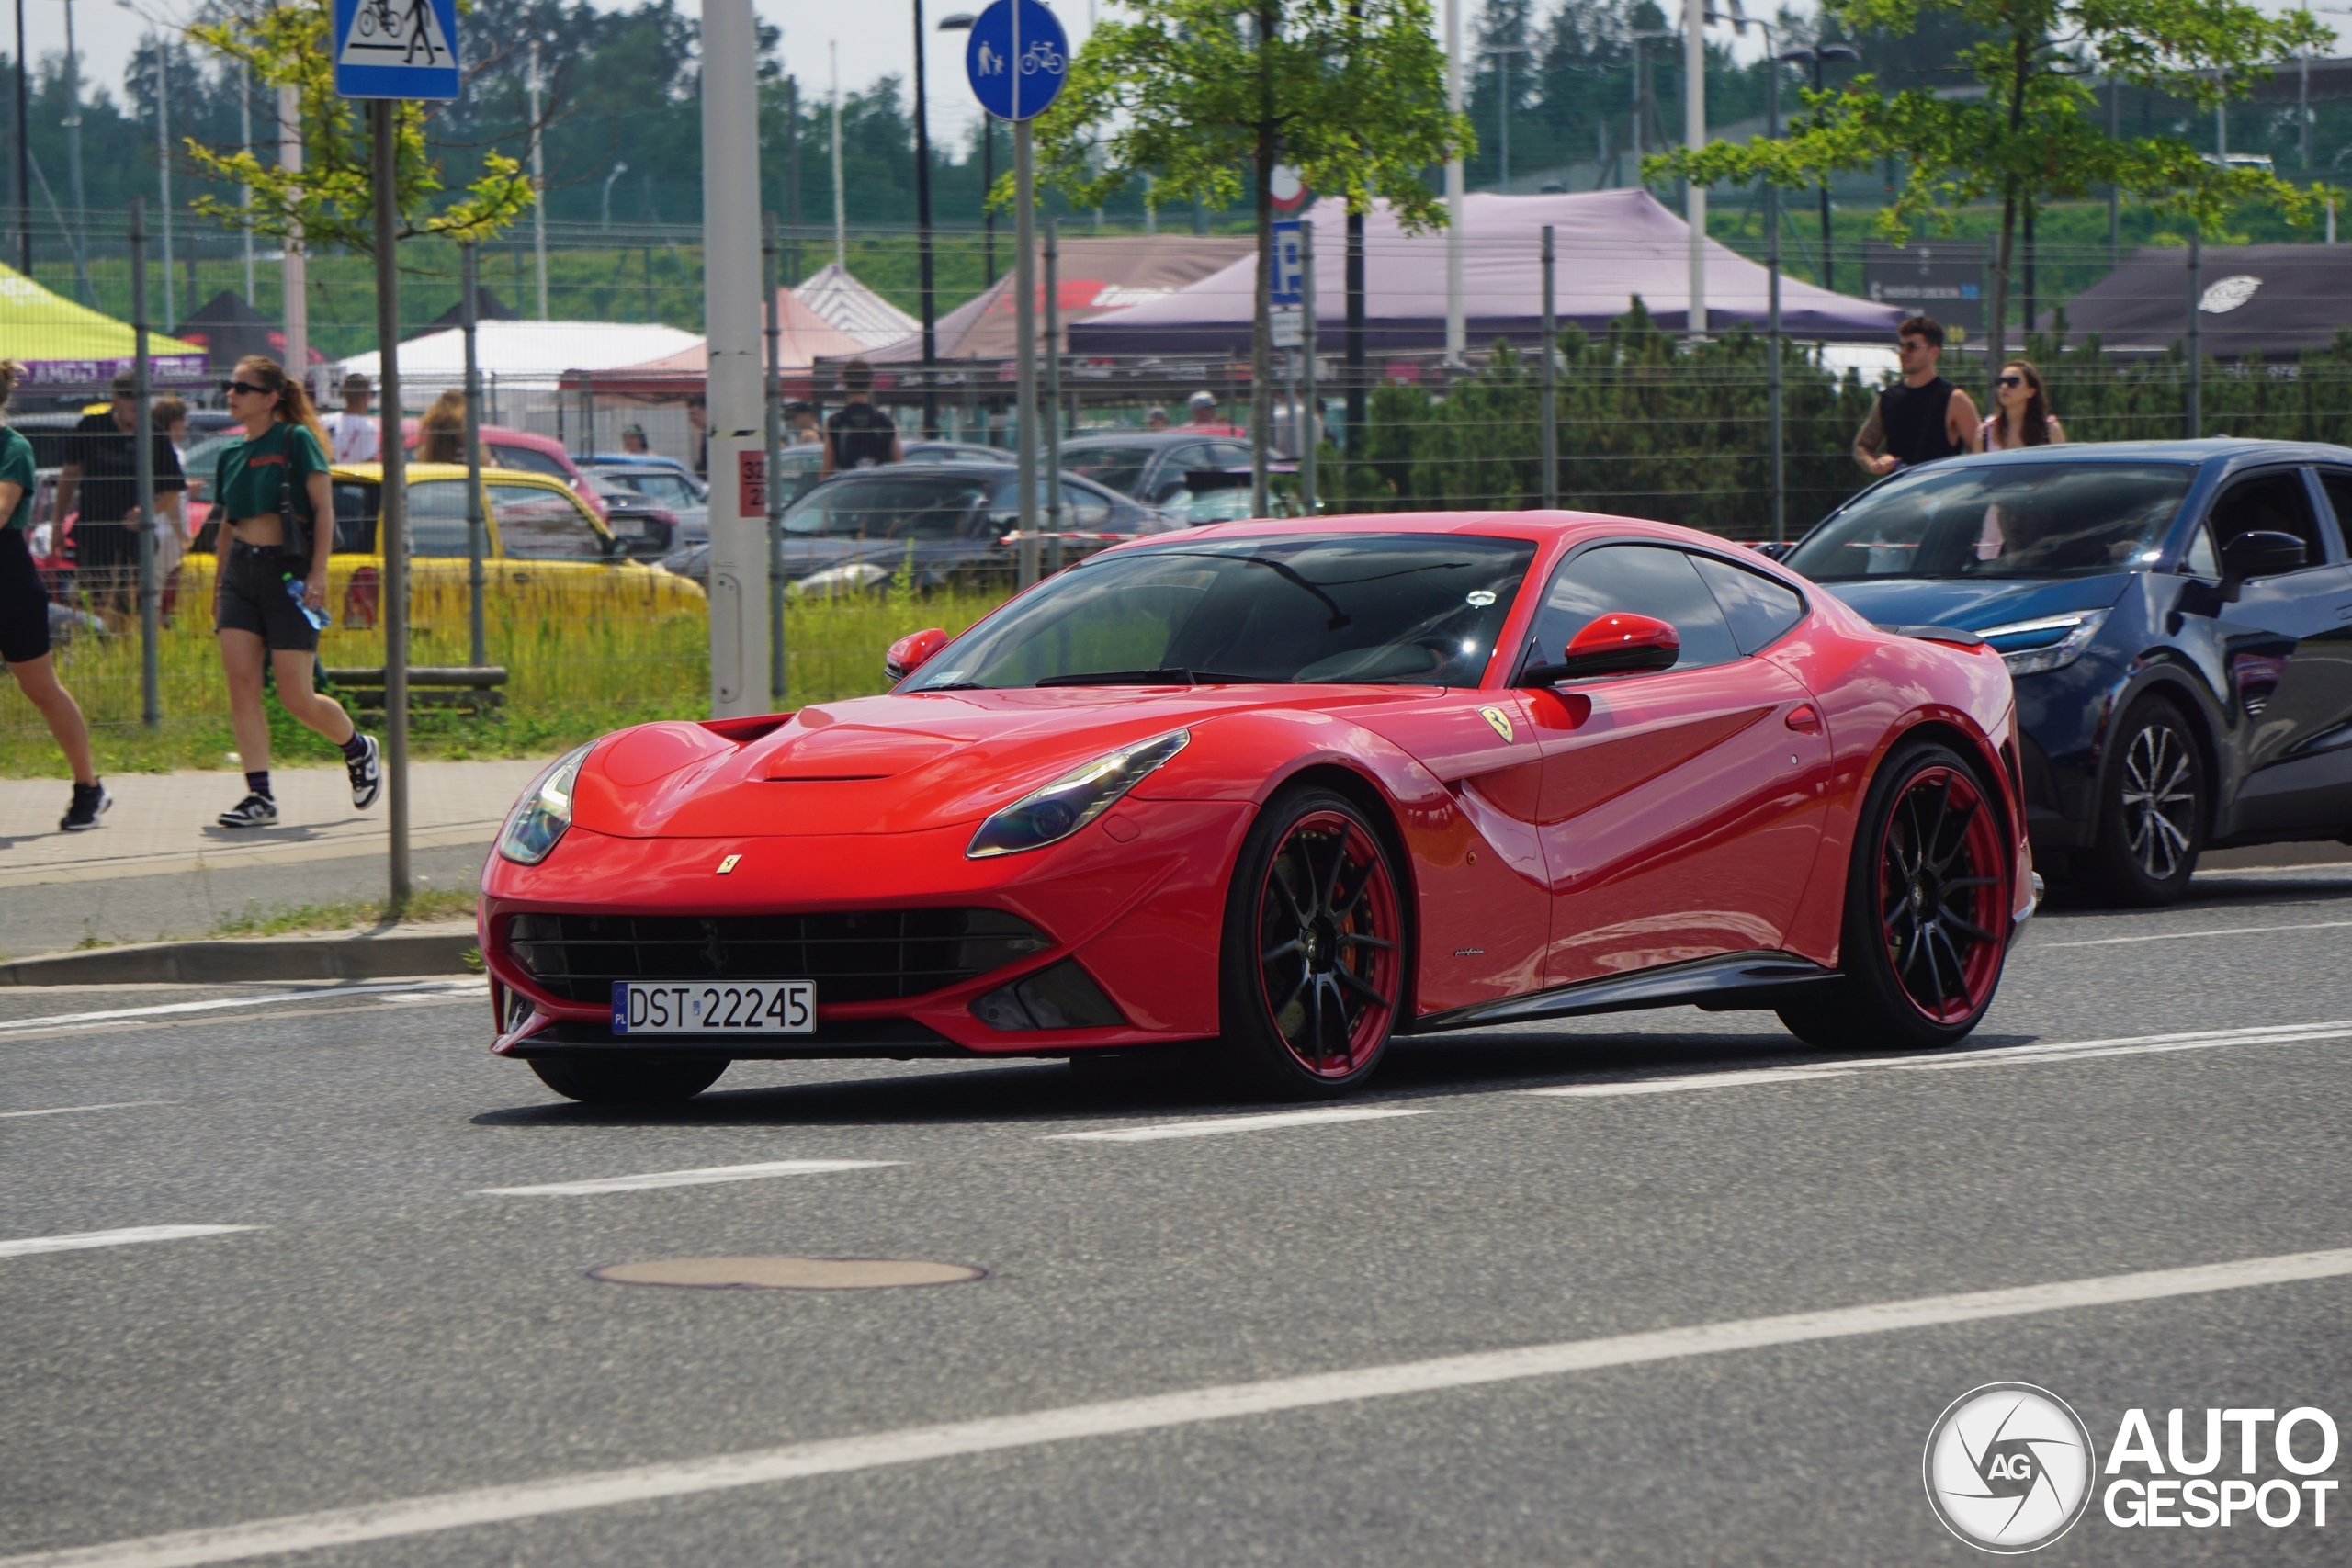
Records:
x=163, y=164
x=922, y=237
x=1502, y=53
x=1772, y=392
x=1819, y=58
x=604, y=217
x=962, y=22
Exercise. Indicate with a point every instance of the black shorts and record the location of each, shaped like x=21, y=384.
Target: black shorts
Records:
x=106, y=557
x=24, y=604
x=254, y=599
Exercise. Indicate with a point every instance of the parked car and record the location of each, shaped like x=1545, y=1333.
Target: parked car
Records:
x=675, y=491
x=641, y=460
x=855, y=530
x=1150, y=464
x=546, y=553
x=525, y=452
x=797, y=466
x=643, y=527
x=2177, y=616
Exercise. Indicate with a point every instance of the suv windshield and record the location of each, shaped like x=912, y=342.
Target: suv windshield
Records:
x=1392, y=609
x=2054, y=519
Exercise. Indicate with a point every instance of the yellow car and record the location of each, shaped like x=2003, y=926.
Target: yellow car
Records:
x=545, y=555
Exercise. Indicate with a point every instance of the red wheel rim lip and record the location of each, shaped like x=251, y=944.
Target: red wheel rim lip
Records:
x=1979, y=844
x=1377, y=900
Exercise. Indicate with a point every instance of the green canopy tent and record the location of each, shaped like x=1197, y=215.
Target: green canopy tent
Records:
x=70, y=350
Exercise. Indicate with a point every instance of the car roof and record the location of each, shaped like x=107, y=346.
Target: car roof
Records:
x=1541, y=527
x=1168, y=437
x=2205, y=450
x=373, y=473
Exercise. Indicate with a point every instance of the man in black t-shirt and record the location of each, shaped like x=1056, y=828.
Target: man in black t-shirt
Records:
x=860, y=436
x=100, y=476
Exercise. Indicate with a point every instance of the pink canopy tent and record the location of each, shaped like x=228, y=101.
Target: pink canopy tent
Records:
x=802, y=335
x=1611, y=245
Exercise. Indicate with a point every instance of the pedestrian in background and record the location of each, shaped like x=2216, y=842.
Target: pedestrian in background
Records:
x=441, y=434
x=100, y=481
x=171, y=418
x=268, y=591
x=633, y=441
x=358, y=437
x=1203, y=419
x=859, y=436
x=698, y=416
x=2020, y=415
x=1921, y=418
x=24, y=622
x=800, y=420
x=1155, y=418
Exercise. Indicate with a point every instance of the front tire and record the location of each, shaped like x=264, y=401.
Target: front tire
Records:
x=2151, y=810
x=1926, y=912
x=1313, y=973
x=637, y=1082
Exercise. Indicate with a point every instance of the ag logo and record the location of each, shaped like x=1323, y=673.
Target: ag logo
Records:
x=1500, y=720
x=2009, y=1467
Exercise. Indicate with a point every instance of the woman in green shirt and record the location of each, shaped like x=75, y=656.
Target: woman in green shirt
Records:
x=23, y=621
x=264, y=593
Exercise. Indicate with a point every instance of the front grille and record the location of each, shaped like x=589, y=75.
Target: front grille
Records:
x=871, y=957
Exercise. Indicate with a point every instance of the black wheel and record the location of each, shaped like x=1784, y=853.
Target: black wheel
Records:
x=630, y=1082
x=2151, y=811
x=1927, y=911
x=1314, y=966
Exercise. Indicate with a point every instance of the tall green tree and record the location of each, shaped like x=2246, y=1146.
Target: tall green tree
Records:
x=1201, y=94
x=2034, y=135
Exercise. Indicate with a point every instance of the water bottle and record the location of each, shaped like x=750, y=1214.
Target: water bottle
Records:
x=295, y=589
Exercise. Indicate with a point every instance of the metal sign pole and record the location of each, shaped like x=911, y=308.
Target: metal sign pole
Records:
x=142, y=440
x=475, y=535
x=1053, y=403
x=1310, y=419
x=392, y=526
x=1551, y=379
x=777, y=682
x=1024, y=326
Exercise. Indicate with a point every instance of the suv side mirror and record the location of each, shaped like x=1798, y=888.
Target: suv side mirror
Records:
x=911, y=652
x=2260, y=553
x=1614, y=644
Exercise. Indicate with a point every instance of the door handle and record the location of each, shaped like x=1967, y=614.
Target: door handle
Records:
x=2344, y=611
x=1804, y=719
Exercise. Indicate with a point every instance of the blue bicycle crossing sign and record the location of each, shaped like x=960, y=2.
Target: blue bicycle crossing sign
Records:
x=396, y=49
x=1018, y=57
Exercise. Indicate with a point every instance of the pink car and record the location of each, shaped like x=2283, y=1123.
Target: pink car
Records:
x=506, y=448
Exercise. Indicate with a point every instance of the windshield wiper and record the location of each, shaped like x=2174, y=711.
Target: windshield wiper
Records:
x=1167, y=677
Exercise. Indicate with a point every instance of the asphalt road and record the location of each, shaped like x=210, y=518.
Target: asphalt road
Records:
x=388, y=1332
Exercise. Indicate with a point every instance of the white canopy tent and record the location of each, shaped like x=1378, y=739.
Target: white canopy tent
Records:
x=524, y=356
x=851, y=307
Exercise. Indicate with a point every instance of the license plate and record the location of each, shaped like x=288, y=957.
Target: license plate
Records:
x=759, y=1007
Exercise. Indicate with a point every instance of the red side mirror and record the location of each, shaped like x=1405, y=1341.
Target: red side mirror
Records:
x=1614, y=644
x=911, y=652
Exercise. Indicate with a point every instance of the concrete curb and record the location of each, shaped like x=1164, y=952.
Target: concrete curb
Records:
x=439, y=948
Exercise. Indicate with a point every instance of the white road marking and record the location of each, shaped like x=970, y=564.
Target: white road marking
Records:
x=70, y=1109
x=1699, y=1080
x=1237, y=1125
x=915, y=1445
x=80, y=1240
x=2186, y=936
x=169, y=1008
x=704, y=1177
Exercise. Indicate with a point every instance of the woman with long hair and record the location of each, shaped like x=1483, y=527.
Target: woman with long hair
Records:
x=441, y=434
x=267, y=593
x=2020, y=415
x=23, y=621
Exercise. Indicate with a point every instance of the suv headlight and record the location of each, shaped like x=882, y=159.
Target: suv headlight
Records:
x=2051, y=642
x=1051, y=814
x=539, y=819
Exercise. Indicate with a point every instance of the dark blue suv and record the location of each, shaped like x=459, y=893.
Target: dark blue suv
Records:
x=2177, y=616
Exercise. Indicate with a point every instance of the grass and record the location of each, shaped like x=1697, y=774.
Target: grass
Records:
x=579, y=666
x=424, y=904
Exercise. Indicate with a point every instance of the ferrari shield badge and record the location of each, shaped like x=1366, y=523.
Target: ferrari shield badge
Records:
x=1500, y=720
x=728, y=864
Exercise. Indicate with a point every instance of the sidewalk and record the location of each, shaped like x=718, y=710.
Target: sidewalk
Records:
x=161, y=867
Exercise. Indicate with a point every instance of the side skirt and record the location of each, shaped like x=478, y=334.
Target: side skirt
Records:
x=1730, y=983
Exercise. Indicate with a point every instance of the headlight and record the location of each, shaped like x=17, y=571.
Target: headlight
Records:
x=539, y=819
x=2053, y=642
x=1051, y=814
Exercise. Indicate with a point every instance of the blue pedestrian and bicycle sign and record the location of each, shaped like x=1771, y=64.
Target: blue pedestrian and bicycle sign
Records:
x=1018, y=57
x=396, y=49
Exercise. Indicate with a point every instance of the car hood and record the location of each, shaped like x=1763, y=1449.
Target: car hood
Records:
x=1974, y=603
x=895, y=764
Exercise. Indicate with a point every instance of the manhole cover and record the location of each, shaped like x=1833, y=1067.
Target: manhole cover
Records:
x=787, y=1273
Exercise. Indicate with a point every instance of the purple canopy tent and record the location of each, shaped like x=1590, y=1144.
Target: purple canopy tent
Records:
x=1611, y=244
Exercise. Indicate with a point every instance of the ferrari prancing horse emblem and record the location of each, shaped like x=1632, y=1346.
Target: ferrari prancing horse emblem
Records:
x=728, y=864
x=1500, y=720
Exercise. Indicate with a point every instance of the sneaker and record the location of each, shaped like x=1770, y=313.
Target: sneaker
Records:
x=254, y=811
x=367, y=774
x=90, y=802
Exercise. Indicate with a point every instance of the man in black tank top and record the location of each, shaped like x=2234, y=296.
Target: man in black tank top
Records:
x=1922, y=418
x=860, y=436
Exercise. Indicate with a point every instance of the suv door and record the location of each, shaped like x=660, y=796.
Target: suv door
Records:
x=2285, y=646
x=1679, y=814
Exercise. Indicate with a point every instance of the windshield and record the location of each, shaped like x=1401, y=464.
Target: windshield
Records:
x=2010, y=520
x=1392, y=609
x=931, y=508
x=1116, y=467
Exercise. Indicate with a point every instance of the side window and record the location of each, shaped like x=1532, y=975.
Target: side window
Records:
x=355, y=518
x=1759, y=609
x=1226, y=455
x=543, y=524
x=2272, y=502
x=2201, y=559
x=1641, y=579
x=437, y=518
x=1084, y=509
x=526, y=460
x=2337, y=483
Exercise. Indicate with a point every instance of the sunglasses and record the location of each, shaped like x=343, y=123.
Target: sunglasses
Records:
x=247, y=388
x=2011, y=381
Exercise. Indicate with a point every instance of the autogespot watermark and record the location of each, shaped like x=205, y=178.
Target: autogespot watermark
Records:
x=2009, y=1468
